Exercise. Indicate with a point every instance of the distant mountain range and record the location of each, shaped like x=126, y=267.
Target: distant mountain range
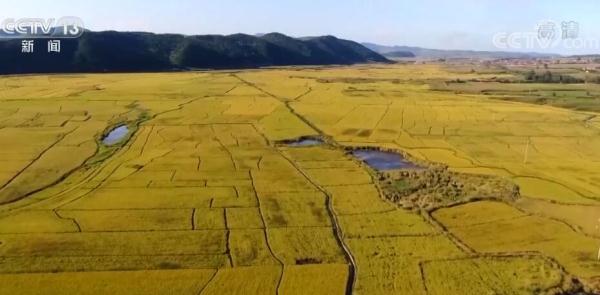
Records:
x=419, y=52
x=112, y=51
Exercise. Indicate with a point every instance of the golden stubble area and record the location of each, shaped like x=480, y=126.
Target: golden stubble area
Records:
x=202, y=198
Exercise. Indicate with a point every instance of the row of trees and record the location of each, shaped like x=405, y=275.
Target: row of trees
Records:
x=548, y=77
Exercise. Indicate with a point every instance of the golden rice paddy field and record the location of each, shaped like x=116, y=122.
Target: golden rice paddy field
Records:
x=203, y=198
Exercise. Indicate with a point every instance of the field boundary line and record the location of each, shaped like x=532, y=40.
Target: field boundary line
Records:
x=338, y=233
x=266, y=233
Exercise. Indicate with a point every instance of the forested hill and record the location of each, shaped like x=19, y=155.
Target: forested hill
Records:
x=112, y=51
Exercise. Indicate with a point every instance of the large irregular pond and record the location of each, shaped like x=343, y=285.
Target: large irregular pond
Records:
x=116, y=135
x=381, y=160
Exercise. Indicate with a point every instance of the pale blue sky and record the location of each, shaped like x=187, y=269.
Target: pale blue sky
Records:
x=459, y=24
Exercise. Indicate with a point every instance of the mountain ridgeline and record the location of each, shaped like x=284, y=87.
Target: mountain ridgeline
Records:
x=112, y=51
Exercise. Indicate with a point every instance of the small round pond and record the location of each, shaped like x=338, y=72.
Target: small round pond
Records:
x=115, y=135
